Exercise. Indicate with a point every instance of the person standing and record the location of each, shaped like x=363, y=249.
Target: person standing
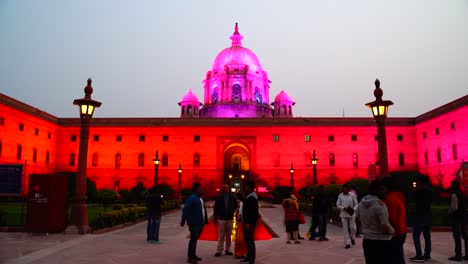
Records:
x=395, y=202
x=347, y=204
x=194, y=213
x=240, y=248
x=376, y=228
x=223, y=213
x=291, y=221
x=457, y=211
x=320, y=208
x=422, y=196
x=153, y=203
x=249, y=219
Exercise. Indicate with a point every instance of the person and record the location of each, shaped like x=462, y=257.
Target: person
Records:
x=352, y=190
x=395, y=202
x=194, y=213
x=294, y=198
x=153, y=203
x=223, y=213
x=376, y=228
x=347, y=204
x=457, y=211
x=291, y=221
x=422, y=196
x=320, y=208
x=240, y=248
x=249, y=219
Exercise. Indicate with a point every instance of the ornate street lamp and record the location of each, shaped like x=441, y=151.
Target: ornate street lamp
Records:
x=379, y=109
x=79, y=212
x=179, y=170
x=291, y=171
x=156, y=162
x=314, y=166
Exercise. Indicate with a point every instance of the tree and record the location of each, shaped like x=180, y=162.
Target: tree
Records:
x=106, y=197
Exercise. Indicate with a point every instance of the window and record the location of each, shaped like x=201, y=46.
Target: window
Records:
x=142, y=138
x=452, y=126
x=71, y=162
x=165, y=160
x=96, y=138
x=36, y=131
x=236, y=93
x=285, y=109
x=290, y=110
x=331, y=159
x=376, y=138
x=401, y=159
x=353, y=137
x=49, y=135
x=196, y=138
x=95, y=160
x=165, y=138
x=182, y=110
x=214, y=96
x=189, y=109
x=276, y=159
x=118, y=138
x=424, y=135
x=47, y=157
x=437, y=131
x=439, y=155
x=2, y=121
x=73, y=138
x=307, y=138
x=118, y=161
x=21, y=127
x=275, y=138
x=196, y=160
x=400, y=137
x=19, y=152
x=426, y=157
x=355, y=160
x=34, y=157
x=257, y=96
x=454, y=152
x=1, y=146
x=331, y=138
x=141, y=160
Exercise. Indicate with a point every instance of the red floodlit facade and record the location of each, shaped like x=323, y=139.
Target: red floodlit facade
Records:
x=236, y=132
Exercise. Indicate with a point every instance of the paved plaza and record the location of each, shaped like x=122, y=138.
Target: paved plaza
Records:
x=129, y=245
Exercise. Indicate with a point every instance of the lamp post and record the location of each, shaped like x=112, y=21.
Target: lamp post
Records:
x=291, y=171
x=79, y=212
x=314, y=166
x=379, y=109
x=179, y=170
x=156, y=162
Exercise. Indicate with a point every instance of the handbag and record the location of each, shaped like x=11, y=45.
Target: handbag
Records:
x=300, y=218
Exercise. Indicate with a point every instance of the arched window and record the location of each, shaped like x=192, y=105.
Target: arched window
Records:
x=439, y=155
x=165, y=160
x=19, y=152
x=71, y=162
x=196, y=160
x=215, y=95
x=426, y=157
x=285, y=111
x=34, y=157
x=355, y=160
x=277, y=111
x=257, y=96
x=189, y=109
x=141, y=160
x=236, y=93
x=195, y=110
x=182, y=112
x=331, y=160
x=47, y=157
x=95, y=160
x=454, y=151
x=290, y=110
x=118, y=161
x=401, y=159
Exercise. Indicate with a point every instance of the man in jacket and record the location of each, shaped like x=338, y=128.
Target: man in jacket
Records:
x=249, y=219
x=223, y=213
x=457, y=211
x=194, y=213
x=320, y=209
x=153, y=203
x=347, y=204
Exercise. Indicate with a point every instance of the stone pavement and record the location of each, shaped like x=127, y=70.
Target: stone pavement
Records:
x=129, y=245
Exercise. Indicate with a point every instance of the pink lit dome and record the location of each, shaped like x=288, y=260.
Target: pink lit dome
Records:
x=190, y=97
x=283, y=97
x=236, y=55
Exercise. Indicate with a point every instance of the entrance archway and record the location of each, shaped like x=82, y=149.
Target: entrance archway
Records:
x=236, y=164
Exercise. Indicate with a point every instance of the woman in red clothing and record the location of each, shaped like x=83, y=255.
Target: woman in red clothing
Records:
x=395, y=202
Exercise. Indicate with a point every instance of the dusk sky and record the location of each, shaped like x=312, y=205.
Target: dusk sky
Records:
x=143, y=56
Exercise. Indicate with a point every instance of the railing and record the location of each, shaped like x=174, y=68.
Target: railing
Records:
x=13, y=219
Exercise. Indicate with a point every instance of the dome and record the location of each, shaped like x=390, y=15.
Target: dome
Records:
x=283, y=97
x=237, y=55
x=190, y=97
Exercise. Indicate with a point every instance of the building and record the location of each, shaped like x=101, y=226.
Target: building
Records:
x=235, y=134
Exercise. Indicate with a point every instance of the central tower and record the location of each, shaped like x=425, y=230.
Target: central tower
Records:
x=236, y=85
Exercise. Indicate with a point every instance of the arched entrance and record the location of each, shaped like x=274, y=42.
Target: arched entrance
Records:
x=236, y=164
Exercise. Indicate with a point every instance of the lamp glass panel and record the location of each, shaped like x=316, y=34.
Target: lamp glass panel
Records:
x=314, y=162
x=90, y=110
x=382, y=110
x=83, y=109
x=375, y=111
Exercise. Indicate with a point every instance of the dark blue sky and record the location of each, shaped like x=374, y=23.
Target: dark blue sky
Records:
x=143, y=56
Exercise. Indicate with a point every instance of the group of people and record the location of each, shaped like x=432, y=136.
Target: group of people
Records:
x=245, y=206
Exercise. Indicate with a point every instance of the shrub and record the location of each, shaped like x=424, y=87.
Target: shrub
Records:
x=116, y=217
x=91, y=191
x=139, y=193
x=106, y=197
x=126, y=195
x=165, y=190
x=333, y=190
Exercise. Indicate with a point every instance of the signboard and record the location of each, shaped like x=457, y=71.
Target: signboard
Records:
x=10, y=179
x=462, y=173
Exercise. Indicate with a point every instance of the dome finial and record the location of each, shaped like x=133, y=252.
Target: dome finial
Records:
x=236, y=37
